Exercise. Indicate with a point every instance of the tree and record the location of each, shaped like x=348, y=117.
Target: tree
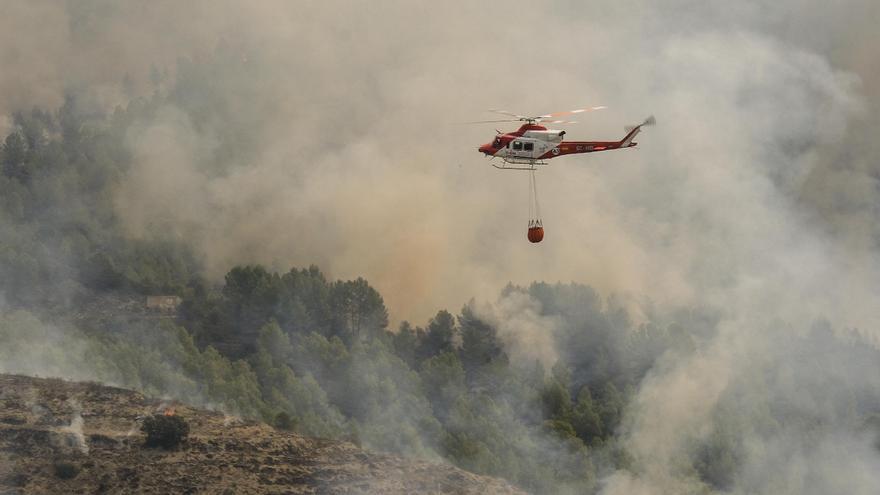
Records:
x=305, y=302
x=556, y=400
x=610, y=410
x=439, y=337
x=584, y=418
x=15, y=157
x=406, y=341
x=443, y=381
x=479, y=342
x=358, y=310
x=275, y=343
x=252, y=296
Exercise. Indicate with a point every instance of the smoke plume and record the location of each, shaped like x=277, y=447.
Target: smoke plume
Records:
x=74, y=432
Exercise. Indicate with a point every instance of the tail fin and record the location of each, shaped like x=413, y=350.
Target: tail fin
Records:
x=631, y=131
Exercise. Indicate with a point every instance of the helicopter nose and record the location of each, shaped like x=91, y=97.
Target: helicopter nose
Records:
x=487, y=149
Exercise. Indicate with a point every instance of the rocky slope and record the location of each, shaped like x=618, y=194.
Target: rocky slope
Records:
x=64, y=437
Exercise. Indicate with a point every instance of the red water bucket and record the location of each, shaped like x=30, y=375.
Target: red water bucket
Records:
x=536, y=234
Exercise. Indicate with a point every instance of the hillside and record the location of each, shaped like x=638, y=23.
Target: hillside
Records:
x=46, y=423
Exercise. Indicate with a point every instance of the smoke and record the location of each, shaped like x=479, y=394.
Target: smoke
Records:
x=74, y=431
x=319, y=133
x=315, y=137
x=33, y=348
x=149, y=359
x=528, y=335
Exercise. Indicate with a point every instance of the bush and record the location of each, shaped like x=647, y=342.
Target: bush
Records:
x=283, y=421
x=165, y=431
x=66, y=470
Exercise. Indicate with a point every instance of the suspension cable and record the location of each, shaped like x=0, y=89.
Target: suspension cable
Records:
x=537, y=204
x=531, y=198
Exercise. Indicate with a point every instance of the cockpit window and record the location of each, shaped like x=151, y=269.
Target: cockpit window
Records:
x=497, y=143
x=517, y=146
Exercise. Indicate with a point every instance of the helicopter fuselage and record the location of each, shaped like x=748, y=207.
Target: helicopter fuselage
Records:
x=533, y=143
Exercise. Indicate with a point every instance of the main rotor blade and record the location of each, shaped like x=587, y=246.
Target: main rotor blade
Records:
x=542, y=121
x=490, y=121
x=509, y=114
x=570, y=112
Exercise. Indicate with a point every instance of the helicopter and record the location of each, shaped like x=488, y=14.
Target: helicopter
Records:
x=533, y=143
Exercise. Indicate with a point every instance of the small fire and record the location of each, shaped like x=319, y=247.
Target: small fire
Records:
x=169, y=412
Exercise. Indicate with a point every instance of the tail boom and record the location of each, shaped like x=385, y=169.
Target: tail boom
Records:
x=575, y=147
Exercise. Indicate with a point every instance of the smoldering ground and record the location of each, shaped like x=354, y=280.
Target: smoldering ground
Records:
x=756, y=194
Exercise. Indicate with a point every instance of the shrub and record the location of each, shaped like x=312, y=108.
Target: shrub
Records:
x=165, y=431
x=66, y=470
x=283, y=421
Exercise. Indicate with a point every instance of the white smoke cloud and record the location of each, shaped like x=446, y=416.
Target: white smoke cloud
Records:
x=527, y=335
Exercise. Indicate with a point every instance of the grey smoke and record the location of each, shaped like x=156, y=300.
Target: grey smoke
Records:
x=528, y=335
x=756, y=195
x=355, y=146
x=75, y=432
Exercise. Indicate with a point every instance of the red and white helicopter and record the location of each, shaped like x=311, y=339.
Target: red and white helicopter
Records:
x=533, y=144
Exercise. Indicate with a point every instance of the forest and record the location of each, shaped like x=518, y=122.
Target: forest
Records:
x=319, y=356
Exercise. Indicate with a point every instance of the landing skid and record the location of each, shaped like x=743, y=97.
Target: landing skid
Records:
x=519, y=164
